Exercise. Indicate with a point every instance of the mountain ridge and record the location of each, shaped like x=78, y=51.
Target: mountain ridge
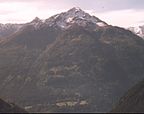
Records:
x=74, y=15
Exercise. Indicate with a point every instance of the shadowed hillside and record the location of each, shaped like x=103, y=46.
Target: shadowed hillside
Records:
x=133, y=100
x=10, y=108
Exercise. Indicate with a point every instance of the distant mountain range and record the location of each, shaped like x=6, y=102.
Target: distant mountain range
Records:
x=70, y=62
x=65, y=22
x=139, y=30
x=8, y=29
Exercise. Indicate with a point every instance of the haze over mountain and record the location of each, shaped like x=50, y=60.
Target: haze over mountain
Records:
x=70, y=62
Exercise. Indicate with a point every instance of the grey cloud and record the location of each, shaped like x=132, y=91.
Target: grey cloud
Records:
x=109, y=5
x=97, y=5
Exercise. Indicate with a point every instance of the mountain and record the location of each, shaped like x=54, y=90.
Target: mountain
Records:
x=70, y=62
x=63, y=21
x=8, y=29
x=133, y=100
x=138, y=30
x=74, y=16
x=10, y=108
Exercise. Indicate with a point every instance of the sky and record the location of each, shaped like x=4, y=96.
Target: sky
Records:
x=123, y=13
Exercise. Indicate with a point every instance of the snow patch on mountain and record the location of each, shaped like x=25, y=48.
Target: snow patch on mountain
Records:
x=138, y=30
x=69, y=20
x=63, y=20
x=7, y=29
x=101, y=24
x=74, y=15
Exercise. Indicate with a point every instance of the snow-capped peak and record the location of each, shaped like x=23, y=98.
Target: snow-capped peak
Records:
x=138, y=30
x=75, y=9
x=74, y=16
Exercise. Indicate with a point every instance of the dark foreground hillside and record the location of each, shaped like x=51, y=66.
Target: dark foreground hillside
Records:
x=133, y=101
x=10, y=108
